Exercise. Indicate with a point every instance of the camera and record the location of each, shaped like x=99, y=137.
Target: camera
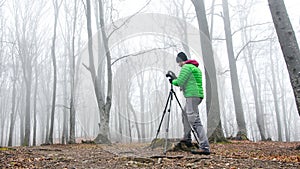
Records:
x=171, y=75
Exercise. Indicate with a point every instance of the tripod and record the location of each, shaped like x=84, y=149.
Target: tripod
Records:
x=169, y=103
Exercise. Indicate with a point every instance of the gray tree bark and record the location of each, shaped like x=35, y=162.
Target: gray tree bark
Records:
x=27, y=48
x=26, y=60
x=284, y=104
x=142, y=89
x=288, y=43
x=104, y=119
x=21, y=114
x=73, y=81
x=275, y=96
x=103, y=106
x=233, y=72
x=212, y=100
x=64, y=135
x=56, y=13
x=28, y=81
x=34, y=106
x=249, y=61
x=212, y=18
x=13, y=105
x=257, y=100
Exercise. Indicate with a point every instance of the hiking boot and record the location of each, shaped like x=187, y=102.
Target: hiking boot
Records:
x=200, y=152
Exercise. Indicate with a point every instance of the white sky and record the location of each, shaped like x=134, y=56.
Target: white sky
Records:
x=127, y=7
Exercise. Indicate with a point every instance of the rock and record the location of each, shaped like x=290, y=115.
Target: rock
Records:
x=101, y=139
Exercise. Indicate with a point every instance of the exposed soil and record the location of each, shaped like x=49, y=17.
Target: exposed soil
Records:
x=236, y=154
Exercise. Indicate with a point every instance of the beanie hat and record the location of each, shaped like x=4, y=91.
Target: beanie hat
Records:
x=181, y=57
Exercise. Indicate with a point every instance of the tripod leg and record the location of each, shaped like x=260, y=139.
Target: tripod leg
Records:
x=186, y=118
x=168, y=121
x=161, y=120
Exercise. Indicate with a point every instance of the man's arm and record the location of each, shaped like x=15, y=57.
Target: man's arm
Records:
x=183, y=76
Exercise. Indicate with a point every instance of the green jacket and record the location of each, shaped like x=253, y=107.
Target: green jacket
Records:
x=190, y=80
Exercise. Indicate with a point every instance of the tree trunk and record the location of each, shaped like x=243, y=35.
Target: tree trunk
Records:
x=104, y=107
x=13, y=108
x=275, y=97
x=135, y=118
x=34, y=107
x=261, y=117
x=212, y=99
x=284, y=107
x=100, y=48
x=254, y=86
x=212, y=18
x=253, y=80
x=120, y=110
x=4, y=104
x=47, y=126
x=22, y=122
x=128, y=110
x=56, y=11
x=64, y=136
x=233, y=73
x=142, y=105
x=288, y=43
x=107, y=107
x=28, y=82
x=72, y=75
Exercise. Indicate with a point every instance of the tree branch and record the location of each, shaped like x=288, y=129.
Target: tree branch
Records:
x=140, y=53
x=251, y=41
x=117, y=28
x=86, y=67
x=2, y=3
x=249, y=26
x=13, y=43
x=225, y=71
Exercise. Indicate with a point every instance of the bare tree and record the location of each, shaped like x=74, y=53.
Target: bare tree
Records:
x=34, y=107
x=70, y=37
x=212, y=13
x=56, y=13
x=45, y=88
x=179, y=10
x=275, y=95
x=212, y=99
x=288, y=43
x=250, y=65
x=26, y=44
x=233, y=73
x=14, y=78
x=103, y=105
x=285, y=112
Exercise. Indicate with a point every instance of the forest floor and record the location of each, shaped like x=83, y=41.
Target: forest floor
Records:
x=235, y=154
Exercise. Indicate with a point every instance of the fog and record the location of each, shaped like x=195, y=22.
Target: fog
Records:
x=103, y=74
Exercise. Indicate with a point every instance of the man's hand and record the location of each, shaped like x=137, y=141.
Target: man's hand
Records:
x=171, y=76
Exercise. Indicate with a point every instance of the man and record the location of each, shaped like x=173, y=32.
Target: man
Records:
x=190, y=81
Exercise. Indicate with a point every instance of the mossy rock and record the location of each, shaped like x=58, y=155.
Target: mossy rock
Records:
x=181, y=146
x=173, y=145
x=160, y=142
x=240, y=136
x=101, y=139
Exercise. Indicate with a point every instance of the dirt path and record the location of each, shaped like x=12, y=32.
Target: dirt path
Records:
x=233, y=155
